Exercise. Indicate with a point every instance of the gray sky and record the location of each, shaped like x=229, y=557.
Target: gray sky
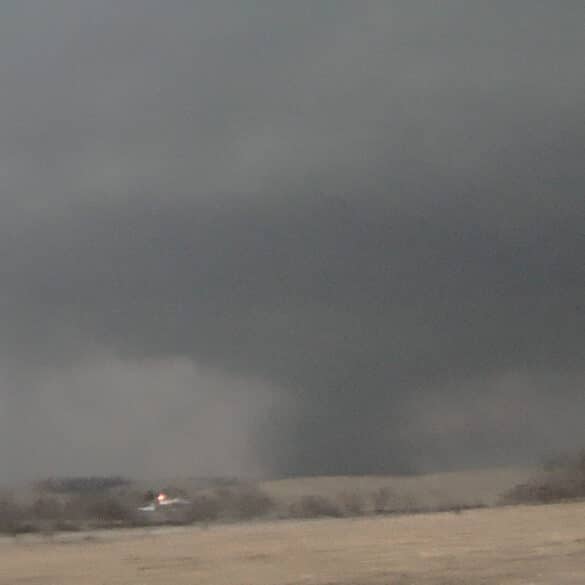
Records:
x=290, y=237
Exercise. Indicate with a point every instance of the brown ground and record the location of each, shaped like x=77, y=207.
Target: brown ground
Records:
x=505, y=546
x=478, y=486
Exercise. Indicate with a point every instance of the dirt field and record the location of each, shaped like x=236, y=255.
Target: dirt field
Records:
x=506, y=546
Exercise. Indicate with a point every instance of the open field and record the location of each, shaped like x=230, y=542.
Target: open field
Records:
x=434, y=490
x=503, y=546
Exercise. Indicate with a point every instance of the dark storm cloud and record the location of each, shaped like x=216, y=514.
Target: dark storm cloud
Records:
x=363, y=220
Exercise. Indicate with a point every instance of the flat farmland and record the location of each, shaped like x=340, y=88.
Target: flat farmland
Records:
x=503, y=546
x=434, y=490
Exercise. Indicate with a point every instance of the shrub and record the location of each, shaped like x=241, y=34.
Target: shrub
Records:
x=47, y=509
x=561, y=479
x=82, y=485
x=314, y=507
x=351, y=503
x=381, y=499
x=251, y=502
x=243, y=503
x=204, y=509
x=9, y=516
x=100, y=510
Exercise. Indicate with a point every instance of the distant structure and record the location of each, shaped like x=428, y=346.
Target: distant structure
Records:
x=162, y=501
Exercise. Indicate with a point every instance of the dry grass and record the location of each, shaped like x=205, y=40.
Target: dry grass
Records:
x=437, y=490
x=503, y=546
